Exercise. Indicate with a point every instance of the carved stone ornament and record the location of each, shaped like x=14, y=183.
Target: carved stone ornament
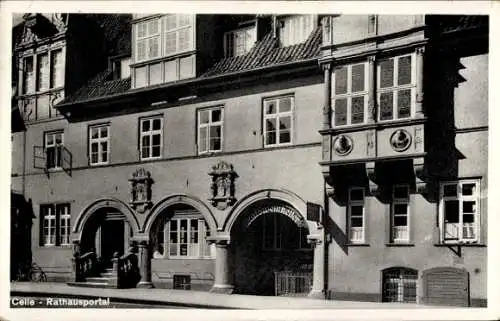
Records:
x=222, y=185
x=400, y=140
x=140, y=190
x=342, y=145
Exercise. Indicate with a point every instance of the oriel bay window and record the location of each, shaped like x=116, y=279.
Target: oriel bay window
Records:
x=350, y=94
x=55, y=225
x=99, y=144
x=43, y=71
x=396, y=87
x=459, y=211
x=151, y=138
x=278, y=121
x=210, y=126
x=400, y=210
x=356, y=215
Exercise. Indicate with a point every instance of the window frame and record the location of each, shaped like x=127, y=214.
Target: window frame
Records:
x=395, y=88
x=147, y=37
x=150, y=134
x=177, y=30
x=209, y=125
x=460, y=198
x=400, y=277
x=351, y=203
x=203, y=231
x=35, y=89
x=295, y=31
x=56, y=216
x=55, y=146
x=400, y=201
x=349, y=95
x=277, y=116
x=230, y=47
x=99, y=140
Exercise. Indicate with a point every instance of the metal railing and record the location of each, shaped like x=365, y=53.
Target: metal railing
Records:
x=289, y=283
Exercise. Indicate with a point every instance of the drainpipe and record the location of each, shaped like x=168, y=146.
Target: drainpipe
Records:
x=23, y=187
x=324, y=219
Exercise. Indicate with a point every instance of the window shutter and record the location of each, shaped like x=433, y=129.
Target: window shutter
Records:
x=40, y=229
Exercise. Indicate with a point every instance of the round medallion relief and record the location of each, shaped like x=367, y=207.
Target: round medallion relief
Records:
x=342, y=145
x=400, y=140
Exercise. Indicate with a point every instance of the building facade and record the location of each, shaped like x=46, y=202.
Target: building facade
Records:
x=257, y=154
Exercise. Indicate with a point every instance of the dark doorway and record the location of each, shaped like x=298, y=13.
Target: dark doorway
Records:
x=112, y=240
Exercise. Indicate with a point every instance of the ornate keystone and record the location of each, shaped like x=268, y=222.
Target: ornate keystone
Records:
x=222, y=185
x=140, y=190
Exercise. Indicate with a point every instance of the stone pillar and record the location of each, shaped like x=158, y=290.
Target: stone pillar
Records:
x=76, y=273
x=145, y=265
x=372, y=74
x=318, y=284
x=419, y=64
x=327, y=105
x=222, y=274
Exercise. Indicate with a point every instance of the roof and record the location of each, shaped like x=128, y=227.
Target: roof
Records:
x=452, y=23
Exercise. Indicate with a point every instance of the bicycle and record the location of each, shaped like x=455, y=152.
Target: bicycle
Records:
x=33, y=273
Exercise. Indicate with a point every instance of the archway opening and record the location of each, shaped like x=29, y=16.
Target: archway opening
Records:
x=269, y=251
x=106, y=232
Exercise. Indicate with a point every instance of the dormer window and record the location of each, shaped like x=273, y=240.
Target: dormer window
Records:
x=239, y=42
x=121, y=68
x=296, y=29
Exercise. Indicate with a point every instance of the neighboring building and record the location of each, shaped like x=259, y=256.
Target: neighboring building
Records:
x=203, y=143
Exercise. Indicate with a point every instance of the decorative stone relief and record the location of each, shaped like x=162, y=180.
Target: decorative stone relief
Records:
x=370, y=143
x=343, y=145
x=140, y=190
x=400, y=140
x=60, y=21
x=222, y=185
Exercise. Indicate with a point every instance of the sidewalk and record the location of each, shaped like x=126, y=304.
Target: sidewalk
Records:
x=195, y=299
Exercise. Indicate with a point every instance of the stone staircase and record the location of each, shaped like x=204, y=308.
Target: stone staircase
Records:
x=105, y=280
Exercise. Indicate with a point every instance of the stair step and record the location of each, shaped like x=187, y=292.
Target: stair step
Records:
x=107, y=274
x=90, y=285
x=98, y=279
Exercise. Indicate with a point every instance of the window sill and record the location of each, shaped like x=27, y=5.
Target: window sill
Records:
x=184, y=258
x=98, y=165
x=151, y=159
x=399, y=244
x=372, y=125
x=460, y=244
x=358, y=244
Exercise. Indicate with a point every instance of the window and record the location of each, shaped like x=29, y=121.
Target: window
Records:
x=239, y=42
x=350, y=94
x=296, y=29
x=56, y=72
x=278, y=121
x=210, y=122
x=28, y=76
x=459, y=211
x=281, y=233
x=55, y=225
x=151, y=141
x=396, y=87
x=148, y=39
x=43, y=72
x=54, y=142
x=356, y=213
x=400, y=224
x=178, y=33
x=99, y=145
x=399, y=285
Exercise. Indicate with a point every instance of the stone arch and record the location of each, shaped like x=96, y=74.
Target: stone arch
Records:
x=267, y=194
x=88, y=211
x=180, y=199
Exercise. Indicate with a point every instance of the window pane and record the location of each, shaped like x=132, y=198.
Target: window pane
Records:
x=340, y=112
x=156, y=151
x=404, y=103
x=400, y=209
x=140, y=76
x=156, y=140
x=400, y=220
x=451, y=211
x=184, y=39
x=216, y=115
x=356, y=222
x=285, y=122
x=356, y=210
x=141, y=50
x=284, y=137
x=141, y=29
x=104, y=132
x=93, y=147
x=215, y=132
x=358, y=78
x=358, y=110
x=469, y=189
x=469, y=207
x=270, y=125
x=270, y=107
x=104, y=146
x=204, y=116
x=145, y=152
x=203, y=139
x=154, y=48
x=105, y=157
x=386, y=105
x=285, y=104
x=43, y=71
x=94, y=158
x=156, y=124
x=387, y=73
x=468, y=218
x=341, y=81
x=155, y=74
x=146, y=125
x=170, y=70
x=186, y=67
x=404, y=70
x=94, y=132
x=170, y=43
x=57, y=73
x=145, y=141
x=215, y=144
x=450, y=190
x=173, y=227
x=356, y=194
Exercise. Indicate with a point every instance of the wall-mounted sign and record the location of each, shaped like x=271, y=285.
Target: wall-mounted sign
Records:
x=277, y=209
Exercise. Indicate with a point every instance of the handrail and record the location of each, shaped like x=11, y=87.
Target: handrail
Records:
x=126, y=269
x=85, y=265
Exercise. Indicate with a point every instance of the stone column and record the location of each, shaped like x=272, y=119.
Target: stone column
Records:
x=327, y=105
x=76, y=273
x=419, y=64
x=222, y=273
x=372, y=74
x=145, y=265
x=318, y=284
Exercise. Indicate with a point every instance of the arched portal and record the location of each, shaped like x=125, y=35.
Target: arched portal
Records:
x=105, y=227
x=269, y=251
